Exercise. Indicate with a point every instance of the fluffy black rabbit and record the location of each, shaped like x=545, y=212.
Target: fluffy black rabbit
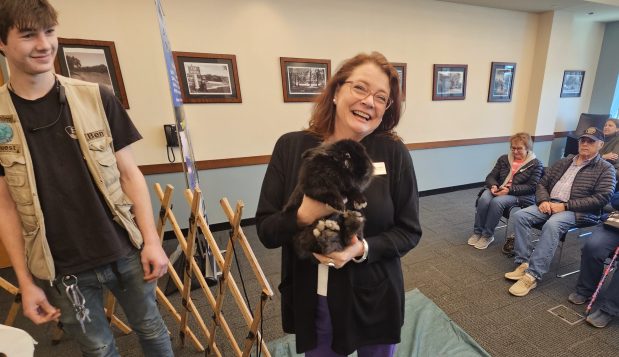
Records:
x=336, y=174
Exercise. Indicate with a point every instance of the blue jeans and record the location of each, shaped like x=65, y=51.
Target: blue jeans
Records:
x=324, y=337
x=599, y=246
x=136, y=297
x=540, y=256
x=489, y=211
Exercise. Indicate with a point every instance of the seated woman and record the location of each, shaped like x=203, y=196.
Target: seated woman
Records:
x=610, y=150
x=511, y=183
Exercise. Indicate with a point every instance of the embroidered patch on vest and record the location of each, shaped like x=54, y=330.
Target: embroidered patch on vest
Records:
x=94, y=135
x=6, y=133
x=14, y=148
x=7, y=118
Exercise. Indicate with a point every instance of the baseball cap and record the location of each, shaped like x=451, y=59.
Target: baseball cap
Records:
x=593, y=133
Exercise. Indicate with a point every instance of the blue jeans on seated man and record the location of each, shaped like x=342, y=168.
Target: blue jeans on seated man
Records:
x=599, y=246
x=539, y=256
x=489, y=211
x=135, y=296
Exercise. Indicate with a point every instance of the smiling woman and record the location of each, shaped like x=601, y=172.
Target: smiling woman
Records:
x=364, y=280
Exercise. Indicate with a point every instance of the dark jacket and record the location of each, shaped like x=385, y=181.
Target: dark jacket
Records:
x=612, y=145
x=524, y=181
x=366, y=300
x=591, y=190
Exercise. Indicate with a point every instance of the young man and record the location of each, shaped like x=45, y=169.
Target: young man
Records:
x=572, y=193
x=76, y=214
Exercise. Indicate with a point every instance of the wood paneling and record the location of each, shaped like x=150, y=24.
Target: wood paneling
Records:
x=264, y=159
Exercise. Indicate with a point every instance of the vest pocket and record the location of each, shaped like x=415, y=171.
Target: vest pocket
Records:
x=17, y=180
x=35, y=253
x=13, y=165
x=125, y=219
x=104, y=155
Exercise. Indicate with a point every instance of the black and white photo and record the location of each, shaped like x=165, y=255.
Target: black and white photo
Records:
x=207, y=77
x=91, y=61
x=303, y=78
x=572, y=83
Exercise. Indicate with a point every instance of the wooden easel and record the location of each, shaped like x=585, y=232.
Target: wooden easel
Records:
x=238, y=238
x=13, y=290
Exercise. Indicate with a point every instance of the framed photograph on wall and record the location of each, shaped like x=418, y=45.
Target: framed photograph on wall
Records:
x=304, y=78
x=401, y=69
x=449, y=82
x=572, y=83
x=501, y=81
x=91, y=61
x=208, y=77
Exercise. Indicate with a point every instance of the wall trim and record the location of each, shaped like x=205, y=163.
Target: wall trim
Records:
x=562, y=134
x=264, y=159
x=206, y=164
x=439, y=191
x=224, y=226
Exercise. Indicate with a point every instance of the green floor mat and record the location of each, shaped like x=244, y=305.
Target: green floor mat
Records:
x=427, y=331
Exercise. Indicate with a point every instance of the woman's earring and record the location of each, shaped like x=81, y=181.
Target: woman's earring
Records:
x=334, y=101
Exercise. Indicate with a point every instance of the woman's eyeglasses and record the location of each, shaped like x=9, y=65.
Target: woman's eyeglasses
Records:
x=361, y=91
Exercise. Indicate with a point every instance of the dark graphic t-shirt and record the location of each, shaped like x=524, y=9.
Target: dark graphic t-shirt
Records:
x=78, y=222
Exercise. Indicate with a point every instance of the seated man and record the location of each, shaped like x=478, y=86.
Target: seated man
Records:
x=598, y=247
x=572, y=193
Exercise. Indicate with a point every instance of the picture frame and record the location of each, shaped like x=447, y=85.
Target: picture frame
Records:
x=571, y=86
x=92, y=61
x=401, y=69
x=208, y=77
x=501, y=84
x=303, y=79
x=449, y=82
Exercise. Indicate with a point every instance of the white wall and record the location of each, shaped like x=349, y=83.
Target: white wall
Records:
x=419, y=33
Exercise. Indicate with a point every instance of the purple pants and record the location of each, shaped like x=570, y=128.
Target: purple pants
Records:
x=324, y=335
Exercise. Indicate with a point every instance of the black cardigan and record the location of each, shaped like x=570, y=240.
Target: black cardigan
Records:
x=366, y=300
x=523, y=182
x=591, y=190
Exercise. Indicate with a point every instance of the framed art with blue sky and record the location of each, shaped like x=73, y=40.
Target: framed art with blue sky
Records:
x=501, y=81
x=449, y=82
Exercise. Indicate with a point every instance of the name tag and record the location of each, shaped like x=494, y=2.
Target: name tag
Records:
x=14, y=148
x=7, y=118
x=379, y=168
x=94, y=135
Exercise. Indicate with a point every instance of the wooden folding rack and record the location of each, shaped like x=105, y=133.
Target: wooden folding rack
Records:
x=226, y=280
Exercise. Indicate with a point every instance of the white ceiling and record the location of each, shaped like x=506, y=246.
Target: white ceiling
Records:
x=602, y=10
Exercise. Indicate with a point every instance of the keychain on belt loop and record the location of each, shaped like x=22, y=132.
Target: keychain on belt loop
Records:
x=77, y=300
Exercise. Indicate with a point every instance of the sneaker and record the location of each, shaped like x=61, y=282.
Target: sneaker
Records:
x=518, y=273
x=577, y=299
x=473, y=239
x=484, y=242
x=508, y=246
x=599, y=319
x=523, y=286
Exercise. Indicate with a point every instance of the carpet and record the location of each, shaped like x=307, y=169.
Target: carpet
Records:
x=427, y=331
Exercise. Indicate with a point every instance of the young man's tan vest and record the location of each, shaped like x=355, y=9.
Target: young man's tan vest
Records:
x=95, y=140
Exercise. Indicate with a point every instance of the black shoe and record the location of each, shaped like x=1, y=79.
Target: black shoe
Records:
x=599, y=319
x=577, y=299
x=508, y=246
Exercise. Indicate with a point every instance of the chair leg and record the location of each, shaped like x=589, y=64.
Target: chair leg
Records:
x=560, y=276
